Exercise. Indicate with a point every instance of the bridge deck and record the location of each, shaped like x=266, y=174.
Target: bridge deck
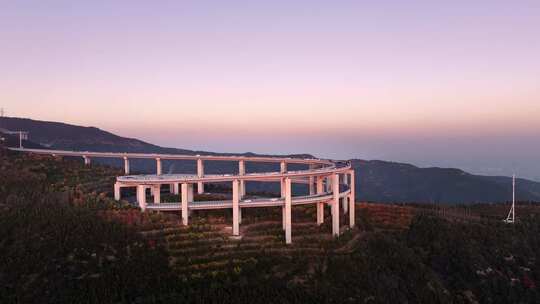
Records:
x=250, y=203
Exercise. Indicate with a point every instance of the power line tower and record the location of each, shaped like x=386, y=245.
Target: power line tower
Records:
x=511, y=214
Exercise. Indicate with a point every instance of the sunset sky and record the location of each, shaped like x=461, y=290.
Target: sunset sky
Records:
x=433, y=83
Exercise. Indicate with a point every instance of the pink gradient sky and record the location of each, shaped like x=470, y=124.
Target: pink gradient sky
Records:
x=428, y=82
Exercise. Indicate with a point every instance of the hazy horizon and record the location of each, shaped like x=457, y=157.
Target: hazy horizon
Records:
x=432, y=84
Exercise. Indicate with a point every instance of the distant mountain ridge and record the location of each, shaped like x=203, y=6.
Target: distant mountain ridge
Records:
x=397, y=182
x=377, y=180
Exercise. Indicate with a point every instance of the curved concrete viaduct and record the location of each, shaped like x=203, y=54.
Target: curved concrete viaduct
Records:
x=329, y=182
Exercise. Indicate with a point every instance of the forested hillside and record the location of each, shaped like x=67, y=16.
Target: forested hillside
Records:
x=64, y=240
x=383, y=181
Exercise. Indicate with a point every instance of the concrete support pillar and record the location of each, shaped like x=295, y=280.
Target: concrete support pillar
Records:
x=283, y=224
x=344, y=200
x=242, y=171
x=352, y=200
x=176, y=188
x=141, y=196
x=282, y=186
x=288, y=211
x=126, y=166
x=171, y=188
x=320, y=213
x=86, y=160
x=311, y=185
x=345, y=204
x=320, y=185
x=283, y=167
x=320, y=205
x=190, y=193
x=157, y=194
x=329, y=184
x=117, y=196
x=158, y=166
x=335, y=205
x=184, y=198
x=200, y=173
x=236, y=208
x=346, y=178
x=242, y=188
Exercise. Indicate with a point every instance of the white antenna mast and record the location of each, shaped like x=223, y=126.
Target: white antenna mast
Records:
x=511, y=215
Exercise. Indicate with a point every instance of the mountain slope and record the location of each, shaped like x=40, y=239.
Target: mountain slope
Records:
x=379, y=181
x=59, y=136
x=64, y=136
x=397, y=182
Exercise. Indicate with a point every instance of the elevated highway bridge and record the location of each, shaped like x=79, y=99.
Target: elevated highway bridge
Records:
x=330, y=183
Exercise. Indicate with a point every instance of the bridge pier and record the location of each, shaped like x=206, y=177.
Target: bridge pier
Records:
x=190, y=192
x=242, y=171
x=184, y=199
x=311, y=183
x=158, y=166
x=282, y=183
x=141, y=196
x=288, y=211
x=320, y=205
x=117, y=194
x=335, y=205
x=352, y=200
x=283, y=167
x=126, y=166
x=283, y=170
x=86, y=160
x=283, y=224
x=328, y=184
x=200, y=174
x=157, y=194
x=345, y=204
x=235, y=207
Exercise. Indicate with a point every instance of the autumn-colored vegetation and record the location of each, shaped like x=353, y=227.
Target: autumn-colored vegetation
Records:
x=63, y=239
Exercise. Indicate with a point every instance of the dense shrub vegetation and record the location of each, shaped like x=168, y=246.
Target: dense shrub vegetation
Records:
x=64, y=240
